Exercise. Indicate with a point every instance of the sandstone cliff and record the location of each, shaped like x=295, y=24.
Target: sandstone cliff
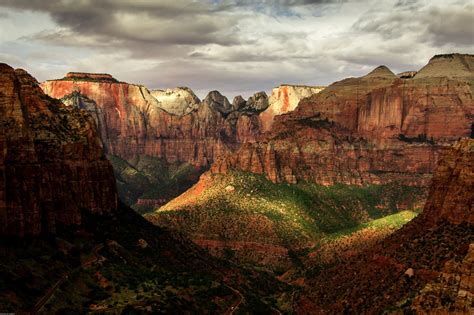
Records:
x=284, y=99
x=52, y=165
x=373, y=129
x=178, y=101
x=451, y=195
x=170, y=124
x=423, y=268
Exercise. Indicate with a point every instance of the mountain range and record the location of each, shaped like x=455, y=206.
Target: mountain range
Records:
x=351, y=198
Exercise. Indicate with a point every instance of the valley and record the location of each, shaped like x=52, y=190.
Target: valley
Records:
x=176, y=204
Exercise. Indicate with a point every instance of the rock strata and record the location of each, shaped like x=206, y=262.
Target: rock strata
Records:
x=52, y=166
x=170, y=124
x=373, y=129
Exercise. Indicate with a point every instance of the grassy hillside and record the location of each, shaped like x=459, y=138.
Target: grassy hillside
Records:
x=248, y=208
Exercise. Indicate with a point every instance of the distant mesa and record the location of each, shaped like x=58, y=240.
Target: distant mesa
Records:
x=96, y=77
x=448, y=65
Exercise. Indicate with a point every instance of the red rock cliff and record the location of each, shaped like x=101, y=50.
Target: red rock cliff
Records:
x=133, y=122
x=451, y=194
x=52, y=165
x=373, y=129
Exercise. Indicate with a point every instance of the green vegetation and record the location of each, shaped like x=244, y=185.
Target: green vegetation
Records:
x=391, y=222
x=152, y=180
x=247, y=207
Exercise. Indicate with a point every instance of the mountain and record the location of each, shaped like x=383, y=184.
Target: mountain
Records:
x=284, y=99
x=68, y=245
x=360, y=150
x=159, y=142
x=423, y=268
x=368, y=130
x=45, y=147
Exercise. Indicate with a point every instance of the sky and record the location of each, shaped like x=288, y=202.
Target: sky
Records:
x=237, y=47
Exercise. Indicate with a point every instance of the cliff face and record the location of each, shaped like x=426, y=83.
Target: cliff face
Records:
x=284, y=99
x=371, y=129
x=426, y=266
x=52, y=165
x=170, y=124
x=178, y=101
x=451, y=196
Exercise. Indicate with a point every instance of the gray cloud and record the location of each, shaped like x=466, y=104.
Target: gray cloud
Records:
x=440, y=26
x=236, y=46
x=165, y=22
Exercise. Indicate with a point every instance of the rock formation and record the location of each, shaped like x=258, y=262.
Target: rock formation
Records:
x=373, y=129
x=169, y=124
x=178, y=101
x=451, y=195
x=284, y=99
x=423, y=268
x=52, y=166
x=171, y=127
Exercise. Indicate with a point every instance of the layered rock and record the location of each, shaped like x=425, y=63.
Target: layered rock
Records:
x=423, y=268
x=451, y=196
x=169, y=125
x=284, y=99
x=178, y=101
x=52, y=166
x=373, y=129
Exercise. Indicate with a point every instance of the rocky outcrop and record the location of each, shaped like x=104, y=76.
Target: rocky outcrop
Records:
x=284, y=99
x=52, y=166
x=178, y=101
x=423, y=268
x=373, y=129
x=451, y=196
x=172, y=125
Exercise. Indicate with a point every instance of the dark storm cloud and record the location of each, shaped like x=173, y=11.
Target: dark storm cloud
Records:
x=164, y=22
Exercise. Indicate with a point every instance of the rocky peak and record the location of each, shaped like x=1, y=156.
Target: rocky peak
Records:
x=381, y=72
x=218, y=102
x=448, y=65
x=285, y=98
x=238, y=102
x=177, y=101
x=258, y=102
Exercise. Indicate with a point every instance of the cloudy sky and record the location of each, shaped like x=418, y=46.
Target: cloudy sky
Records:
x=234, y=46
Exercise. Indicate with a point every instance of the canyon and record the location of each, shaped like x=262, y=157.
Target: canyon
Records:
x=161, y=141
x=307, y=216
x=376, y=137
x=424, y=268
x=69, y=245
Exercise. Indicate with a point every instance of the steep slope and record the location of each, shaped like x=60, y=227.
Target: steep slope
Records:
x=248, y=218
x=424, y=267
x=45, y=147
x=373, y=129
x=93, y=255
x=284, y=99
x=172, y=127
